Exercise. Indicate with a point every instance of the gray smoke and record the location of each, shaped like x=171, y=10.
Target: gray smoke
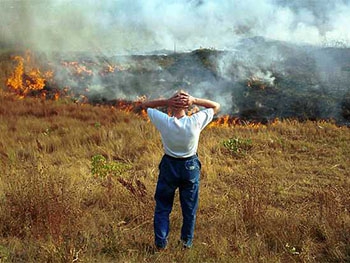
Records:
x=275, y=57
x=123, y=26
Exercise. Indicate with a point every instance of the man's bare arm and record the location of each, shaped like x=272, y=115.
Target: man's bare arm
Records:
x=154, y=103
x=206, y=103
x=176, y=101
x=190, y=100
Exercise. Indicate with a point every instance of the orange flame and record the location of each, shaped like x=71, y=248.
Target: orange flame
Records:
x=228, y=121
x=224, y=121
x=143, y=114
x=23, y=81
x=15, y=82
x=56, y=96
x=79, y=70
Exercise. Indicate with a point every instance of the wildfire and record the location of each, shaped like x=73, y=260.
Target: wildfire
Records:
x=109, y=68
x=125, y=106
x=132, y=106
x=77, y=69
x=229, y=121
x=26, y=78
x=222, y=121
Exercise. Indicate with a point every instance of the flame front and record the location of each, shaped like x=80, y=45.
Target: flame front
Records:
x=229, y=121
x=27, y=79
x=15, y=82
x=77, y=69
x=23, y=81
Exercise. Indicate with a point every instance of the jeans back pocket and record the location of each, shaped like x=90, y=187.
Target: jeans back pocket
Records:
x=193, y=165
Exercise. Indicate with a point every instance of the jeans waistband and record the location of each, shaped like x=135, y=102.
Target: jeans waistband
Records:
x=181, y=159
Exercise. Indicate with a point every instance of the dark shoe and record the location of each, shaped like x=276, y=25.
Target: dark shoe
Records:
x=185, y=244
x=159, y=249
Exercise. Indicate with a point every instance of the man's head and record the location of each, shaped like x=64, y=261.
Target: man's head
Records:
x=179, y=102
x=181, y=91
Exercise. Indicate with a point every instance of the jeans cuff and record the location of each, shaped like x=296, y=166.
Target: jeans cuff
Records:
x=186, y=243
x=161, y=245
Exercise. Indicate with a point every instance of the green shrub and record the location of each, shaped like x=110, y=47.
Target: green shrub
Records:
x=101, y=167
x=238, y=146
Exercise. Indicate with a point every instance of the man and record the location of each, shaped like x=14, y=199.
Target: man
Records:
x=180, y=166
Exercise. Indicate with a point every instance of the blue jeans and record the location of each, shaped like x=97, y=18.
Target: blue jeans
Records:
x=183, y=174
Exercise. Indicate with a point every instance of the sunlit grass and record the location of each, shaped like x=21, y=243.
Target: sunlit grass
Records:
x=275, y=193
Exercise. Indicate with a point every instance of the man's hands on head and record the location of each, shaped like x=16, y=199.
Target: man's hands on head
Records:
x=180, y=100
x=189, y=100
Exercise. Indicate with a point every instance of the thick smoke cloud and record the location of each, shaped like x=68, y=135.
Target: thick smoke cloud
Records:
x=123, y=26
x=281, y=44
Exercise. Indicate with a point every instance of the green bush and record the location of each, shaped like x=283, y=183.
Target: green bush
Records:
x=238, y=146
x=101, y=167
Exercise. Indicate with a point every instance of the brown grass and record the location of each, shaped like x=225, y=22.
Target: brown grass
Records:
x=284, y=199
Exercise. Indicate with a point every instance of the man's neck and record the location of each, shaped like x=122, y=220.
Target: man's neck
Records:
x=179, y=114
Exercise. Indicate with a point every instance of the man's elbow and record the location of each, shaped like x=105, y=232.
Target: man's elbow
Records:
x=217, y=108
x=145, y=105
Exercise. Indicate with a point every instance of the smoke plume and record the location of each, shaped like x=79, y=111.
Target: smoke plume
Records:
x=260, y=59
x=123, y=26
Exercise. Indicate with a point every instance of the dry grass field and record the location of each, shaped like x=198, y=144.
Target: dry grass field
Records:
x=77, y=184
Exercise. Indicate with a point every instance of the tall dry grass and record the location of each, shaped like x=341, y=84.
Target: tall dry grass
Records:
x=276, y=193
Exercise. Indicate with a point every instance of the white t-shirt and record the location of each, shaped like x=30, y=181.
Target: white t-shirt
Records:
x=180, y=136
